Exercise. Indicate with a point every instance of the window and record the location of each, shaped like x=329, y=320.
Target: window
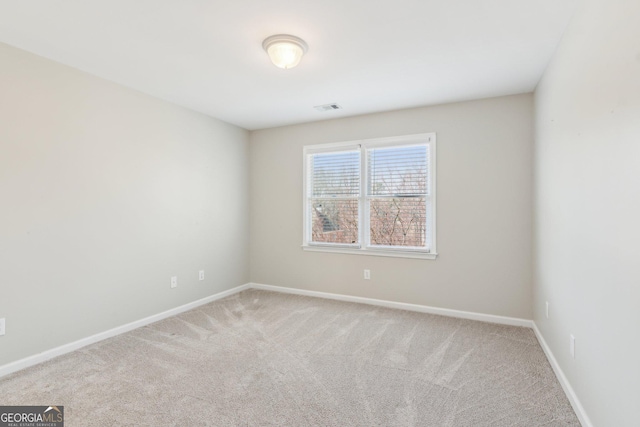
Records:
x=374, y=197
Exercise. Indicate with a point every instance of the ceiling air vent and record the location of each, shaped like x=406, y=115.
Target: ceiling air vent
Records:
x=328, y=107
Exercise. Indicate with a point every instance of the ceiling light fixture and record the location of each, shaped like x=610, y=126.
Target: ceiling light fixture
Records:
x=284, y=50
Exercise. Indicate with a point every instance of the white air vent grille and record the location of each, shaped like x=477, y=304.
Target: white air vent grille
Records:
x=328, y=107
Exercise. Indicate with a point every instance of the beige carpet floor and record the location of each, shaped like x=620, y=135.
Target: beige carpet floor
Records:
x=268, y=359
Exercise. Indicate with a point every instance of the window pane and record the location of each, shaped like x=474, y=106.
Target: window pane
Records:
x=398, y=171
x=398, y=222
x=334, y=221
x=335, y=174
x=392, y=196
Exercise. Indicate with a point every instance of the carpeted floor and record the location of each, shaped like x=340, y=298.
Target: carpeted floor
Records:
x=268, y=359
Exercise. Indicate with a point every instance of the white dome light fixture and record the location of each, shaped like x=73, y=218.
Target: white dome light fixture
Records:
x=285, y=50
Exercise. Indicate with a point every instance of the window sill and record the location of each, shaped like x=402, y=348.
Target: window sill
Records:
x=373, y=252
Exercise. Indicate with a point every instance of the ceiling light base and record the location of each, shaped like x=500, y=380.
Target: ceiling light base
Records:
x=285, y=50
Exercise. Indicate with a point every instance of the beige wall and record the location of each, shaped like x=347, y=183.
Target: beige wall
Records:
x=484, y=210
x=587, y=208
x=106, y=193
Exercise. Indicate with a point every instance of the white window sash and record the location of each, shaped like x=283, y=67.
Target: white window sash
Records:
x=364, y=199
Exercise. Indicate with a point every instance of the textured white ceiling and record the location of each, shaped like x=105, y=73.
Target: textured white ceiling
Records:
x=367, y=56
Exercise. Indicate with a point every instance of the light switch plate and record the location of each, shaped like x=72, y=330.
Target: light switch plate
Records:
x=547, y=310
x=572, y=346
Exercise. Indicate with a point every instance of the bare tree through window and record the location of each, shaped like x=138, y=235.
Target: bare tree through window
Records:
x=397, y=196
x=335, y=189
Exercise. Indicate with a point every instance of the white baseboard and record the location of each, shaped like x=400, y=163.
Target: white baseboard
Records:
x=564, y=382
x=513, y=321
x=67, y=348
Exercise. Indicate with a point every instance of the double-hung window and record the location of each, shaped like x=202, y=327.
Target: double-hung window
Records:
x=374, y=197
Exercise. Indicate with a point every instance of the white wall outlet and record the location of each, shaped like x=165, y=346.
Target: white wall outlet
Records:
x=572, y=346
x=547, y=310
x=201, y=275
x=367, y=274
x=2, y=326
x=174, y=282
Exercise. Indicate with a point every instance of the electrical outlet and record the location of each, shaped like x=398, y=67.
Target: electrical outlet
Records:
x=2, y=326
x=547, y=310
x=174, y=282
x=201, y=275
x=367, y=274
x=572, y=346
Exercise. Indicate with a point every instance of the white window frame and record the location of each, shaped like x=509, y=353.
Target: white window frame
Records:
x=364, y=247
